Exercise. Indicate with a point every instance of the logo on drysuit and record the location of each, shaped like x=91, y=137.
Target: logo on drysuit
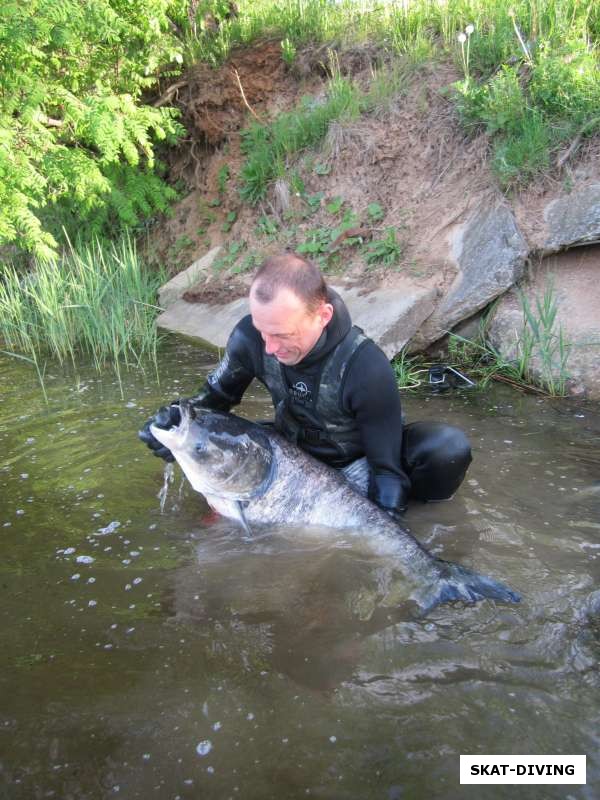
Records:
x=215, y=376
x=300, y=393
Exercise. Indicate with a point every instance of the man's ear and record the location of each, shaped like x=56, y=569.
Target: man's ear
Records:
x=325, y=313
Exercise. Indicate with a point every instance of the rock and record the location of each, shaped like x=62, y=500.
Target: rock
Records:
x=174, y=289
x=390, y=316
x=573, y=220
x=574, y=276
x=490, y=252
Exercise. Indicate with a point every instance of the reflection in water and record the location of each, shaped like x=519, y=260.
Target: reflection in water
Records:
x=310, y=604
x=150, y=654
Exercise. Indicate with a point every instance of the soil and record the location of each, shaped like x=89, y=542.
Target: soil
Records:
x=411, y=157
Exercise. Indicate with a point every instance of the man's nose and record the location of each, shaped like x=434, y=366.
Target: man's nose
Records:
x=271, y=345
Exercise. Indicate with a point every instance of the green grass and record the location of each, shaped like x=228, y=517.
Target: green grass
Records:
x=531, y=67
x=386, y=252
x=96, y=303
x=269, y=147
x=410, y=371
x=541, y=351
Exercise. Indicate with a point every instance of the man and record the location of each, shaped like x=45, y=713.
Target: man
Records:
x=333, y=389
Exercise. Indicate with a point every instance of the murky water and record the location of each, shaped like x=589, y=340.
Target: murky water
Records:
x=164, y=655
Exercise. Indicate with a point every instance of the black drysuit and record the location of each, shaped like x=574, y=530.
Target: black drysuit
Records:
x=341, y=403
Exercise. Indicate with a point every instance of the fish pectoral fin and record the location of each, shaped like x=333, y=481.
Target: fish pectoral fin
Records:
x=242, y=518
x=232, y=509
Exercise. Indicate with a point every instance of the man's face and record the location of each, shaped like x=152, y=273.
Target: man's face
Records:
x=288, y=329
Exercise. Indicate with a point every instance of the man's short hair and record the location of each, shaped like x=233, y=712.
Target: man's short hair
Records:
x=290, y=271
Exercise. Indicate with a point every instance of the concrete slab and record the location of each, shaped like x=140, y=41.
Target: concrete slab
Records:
x=177, y=286
x=389, y=316
x=210, y=323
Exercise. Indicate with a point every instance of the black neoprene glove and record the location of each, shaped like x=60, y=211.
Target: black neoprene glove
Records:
x=208, y=397
x=166, y=417
x=169, y=416
x=390, y=493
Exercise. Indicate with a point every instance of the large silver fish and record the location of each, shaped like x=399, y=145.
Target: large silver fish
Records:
x=249, y=473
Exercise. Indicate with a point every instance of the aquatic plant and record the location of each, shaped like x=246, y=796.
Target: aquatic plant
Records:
x=409, y=370
x=540, y=354
x=97, y=302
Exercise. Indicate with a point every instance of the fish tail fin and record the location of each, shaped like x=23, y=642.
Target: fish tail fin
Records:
x=455, y=582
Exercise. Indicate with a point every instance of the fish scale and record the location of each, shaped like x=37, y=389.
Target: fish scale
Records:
x=250, y=473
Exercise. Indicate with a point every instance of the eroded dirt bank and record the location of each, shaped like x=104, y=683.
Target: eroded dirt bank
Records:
x=406, y=167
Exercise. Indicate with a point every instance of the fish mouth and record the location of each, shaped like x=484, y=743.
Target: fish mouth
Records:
x=167, y=437
x=198, y=473
x=170, y=436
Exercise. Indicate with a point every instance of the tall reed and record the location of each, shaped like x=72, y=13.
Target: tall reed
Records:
x=96, y=303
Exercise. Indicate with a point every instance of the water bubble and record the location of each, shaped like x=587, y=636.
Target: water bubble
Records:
x=92, y=603
x=91, y=580
x=24, y=475
x=19, y=512
x=75, y=577
x=84, y=559
x=110, y=528
x=216, y=726
x=204, y=747
x=68, y=551
x=333, y=739
x=137, y=581
x=250, y=716
x=146, y=756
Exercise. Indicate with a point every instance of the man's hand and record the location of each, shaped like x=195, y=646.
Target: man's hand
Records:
x=169, y=416
x=166, y=417
x=390, y=494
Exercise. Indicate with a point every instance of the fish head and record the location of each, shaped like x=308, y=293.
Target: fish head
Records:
x=221, y=454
